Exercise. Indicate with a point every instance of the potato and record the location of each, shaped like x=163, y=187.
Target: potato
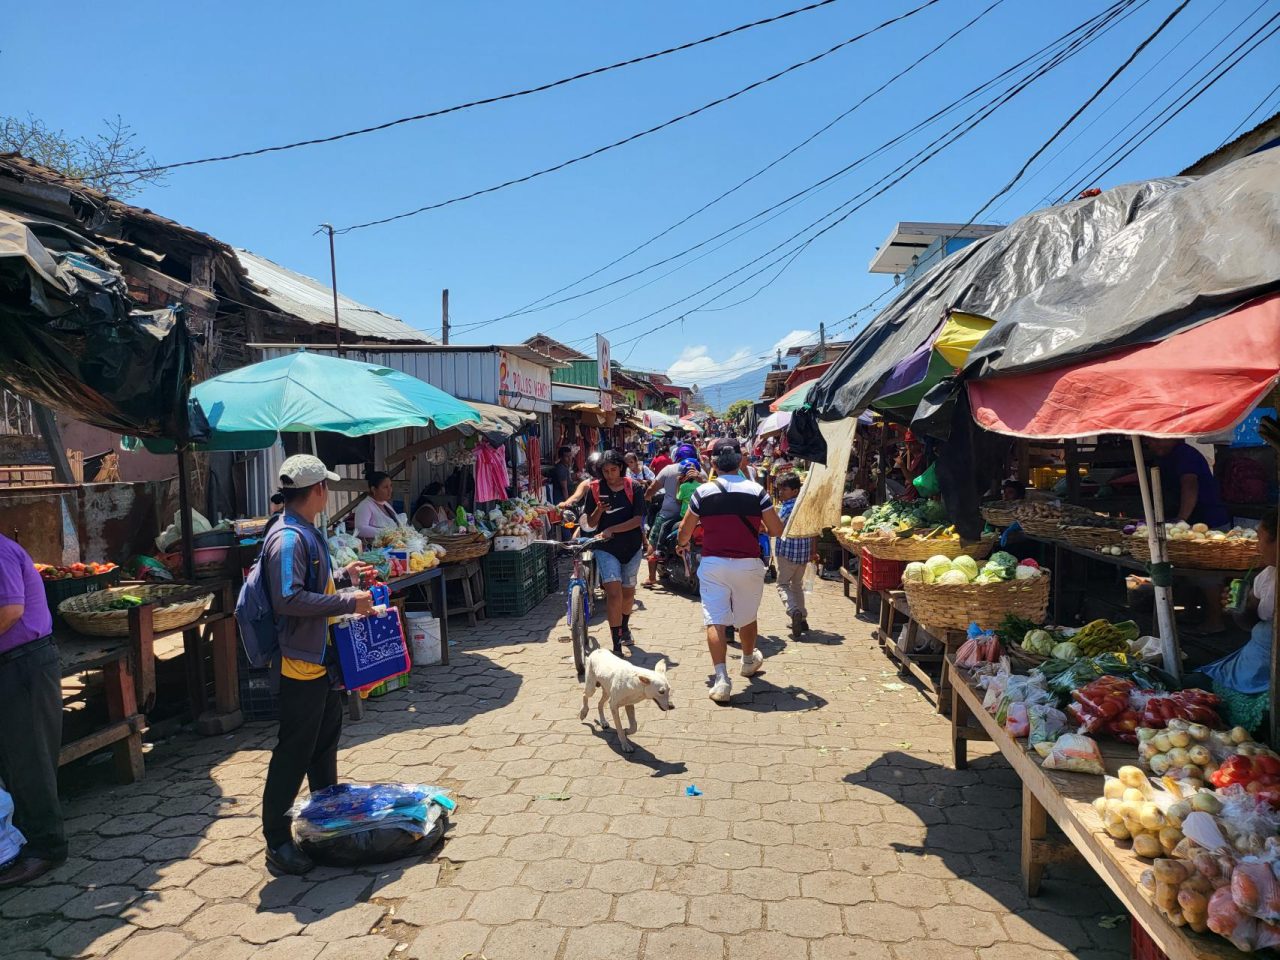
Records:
x=1113, y=789
x=1198, y=924
x=1161, y=742
x=1132, y=777
x=1118, y=831
x=1206, y=802
x=1133, y=795
x=1239, y=735
x=1100, y=806
x=1151, y=818
x=1167, y=896
x=1159, y=764
x=1148, y=879
x=1180, y=738
x=1146, y=751
x=1199, y=755
x=1170, y=837
x=1146, y=845
x=1170, y=871
x=1131, y=809
x=1193, y=903
x=1178, y=757
x=1198, y=731
x=1178, y=812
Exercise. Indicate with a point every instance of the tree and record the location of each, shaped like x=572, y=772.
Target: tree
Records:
x=736, y=409
x=111, y=161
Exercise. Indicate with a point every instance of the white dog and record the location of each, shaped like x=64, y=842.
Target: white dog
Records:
x=623, y=684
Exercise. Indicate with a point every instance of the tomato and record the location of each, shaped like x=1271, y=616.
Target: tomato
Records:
x=1267, y=766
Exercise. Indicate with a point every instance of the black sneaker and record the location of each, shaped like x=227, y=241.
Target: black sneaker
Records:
x=804, y=625
x=797, y=624
x=287, y=858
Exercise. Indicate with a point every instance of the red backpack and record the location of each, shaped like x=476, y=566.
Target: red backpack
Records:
x=627, y=485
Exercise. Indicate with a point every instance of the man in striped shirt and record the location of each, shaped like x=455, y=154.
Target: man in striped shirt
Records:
x=732, y=511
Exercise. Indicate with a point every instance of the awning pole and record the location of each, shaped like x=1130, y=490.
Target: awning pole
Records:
x=1155, y=543
x=184, y=515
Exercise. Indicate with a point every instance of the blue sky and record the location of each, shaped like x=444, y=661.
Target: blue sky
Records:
x=195, y=80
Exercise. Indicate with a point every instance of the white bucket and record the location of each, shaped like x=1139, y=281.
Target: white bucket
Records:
x=424, y=637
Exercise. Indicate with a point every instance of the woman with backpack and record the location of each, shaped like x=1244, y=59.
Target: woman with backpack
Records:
x=618, y=513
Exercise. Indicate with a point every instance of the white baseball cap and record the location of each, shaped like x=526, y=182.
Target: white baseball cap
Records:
x=303, y=470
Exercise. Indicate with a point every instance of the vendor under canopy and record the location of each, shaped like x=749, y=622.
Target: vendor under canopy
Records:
x=1248, y=670
x=375, y=513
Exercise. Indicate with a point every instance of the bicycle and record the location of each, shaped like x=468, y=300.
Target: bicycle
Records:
x=578, y=602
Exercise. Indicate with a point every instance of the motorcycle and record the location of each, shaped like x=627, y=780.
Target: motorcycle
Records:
x=675, y=571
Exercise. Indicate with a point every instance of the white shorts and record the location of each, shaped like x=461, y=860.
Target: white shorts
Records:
x=731, y=590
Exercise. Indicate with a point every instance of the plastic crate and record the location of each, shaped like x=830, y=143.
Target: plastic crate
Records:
x=1141, y=946
x=552, y=568
x=513, y=566
x=880, y=574
x=388, y=686
x=257, y=700
x=510, y=603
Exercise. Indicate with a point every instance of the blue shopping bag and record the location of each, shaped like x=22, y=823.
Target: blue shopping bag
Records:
x=371, y=649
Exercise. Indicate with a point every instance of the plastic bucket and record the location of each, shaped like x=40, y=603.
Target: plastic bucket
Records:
x=424, y=638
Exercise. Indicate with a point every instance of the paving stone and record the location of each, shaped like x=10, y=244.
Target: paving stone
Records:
x=456, y=938
x=652, y=909
x=764, y=883
x=433, y=906
x=855, y=948
x=602, y=848
x=725, y=913
x=575, y=908
x=682, y=944
x=832, y=886
x=804, y=917
x=963, y=926
x=100, y=902
x=359, y=948
x=885, y=922
x=522, y=940
x=32, y=901
x=764, y=945
x=152, y=945
x=488, y=874
x=613, y=941
x=222, y=883
x=908, y=890
x=621, y=876
x=550, y=875
x=164, y=908
x=224, y=948
x=539, y=846
x=504, y=905
x=355, y=920
x=336, y=894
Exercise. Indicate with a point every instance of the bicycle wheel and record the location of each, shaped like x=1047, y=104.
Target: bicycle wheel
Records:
x=578, y=627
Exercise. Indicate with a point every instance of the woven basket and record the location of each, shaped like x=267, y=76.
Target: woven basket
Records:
x=954, y=607
x=1024, y=658
x=909, y=549
x=850, y=543
x=1091, y=538
x=461, y=547
x=1202, y=554
x=175, y=606
x=1046, y=529
x=998, y=515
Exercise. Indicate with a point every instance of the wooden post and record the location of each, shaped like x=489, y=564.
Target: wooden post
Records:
x=184, y=515
x=1035, y=826
x=444, y=317
x=1155, y=543
x=143, y=653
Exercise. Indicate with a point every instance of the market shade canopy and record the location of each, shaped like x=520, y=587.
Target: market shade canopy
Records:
x=793, y=399
x=690, y=426
x=305, y=392
x=1201, y=381
x=773, y=423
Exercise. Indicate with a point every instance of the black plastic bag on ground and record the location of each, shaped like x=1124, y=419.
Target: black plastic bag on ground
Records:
x=379, y=845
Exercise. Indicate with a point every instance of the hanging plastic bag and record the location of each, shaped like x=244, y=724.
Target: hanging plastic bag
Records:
x=11, y=838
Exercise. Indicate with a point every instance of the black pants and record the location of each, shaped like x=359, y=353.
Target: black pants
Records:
x=30, y=737
x=310, y=727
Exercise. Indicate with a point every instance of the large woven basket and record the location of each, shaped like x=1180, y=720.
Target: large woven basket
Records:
x=175, y=606
x=1024, y=658
x=848, y=541
x=1045, y=528
x=909, y=549
x=461, y=547
x=954, y=607
x=1202, y=554
x=1092, y=538
x=998, y=515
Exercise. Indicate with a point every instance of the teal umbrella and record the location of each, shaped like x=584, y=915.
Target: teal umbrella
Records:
x=305, y=392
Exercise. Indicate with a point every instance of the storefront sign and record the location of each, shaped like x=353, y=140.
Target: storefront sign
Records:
x=523, y=385
x=605, y=376
x=606, y=402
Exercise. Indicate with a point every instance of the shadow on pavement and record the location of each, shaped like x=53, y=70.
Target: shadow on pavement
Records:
x=969, y=825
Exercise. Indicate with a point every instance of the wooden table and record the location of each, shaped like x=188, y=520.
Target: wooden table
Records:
x=116, y=658
x=418, y=583
x=894, y=603
x=1068, y=799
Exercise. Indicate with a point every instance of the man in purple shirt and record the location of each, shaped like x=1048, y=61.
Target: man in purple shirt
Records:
x=30, y=716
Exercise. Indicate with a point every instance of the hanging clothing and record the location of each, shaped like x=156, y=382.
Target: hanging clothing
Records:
x=492, y=478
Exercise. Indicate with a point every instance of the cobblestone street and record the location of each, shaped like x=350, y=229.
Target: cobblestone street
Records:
x=830, y=824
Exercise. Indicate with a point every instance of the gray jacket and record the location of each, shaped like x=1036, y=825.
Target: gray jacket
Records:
x=296, y=561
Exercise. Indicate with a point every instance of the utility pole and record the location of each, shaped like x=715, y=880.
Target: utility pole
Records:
x=444, y=316
x=333, y=279
x=822, y=337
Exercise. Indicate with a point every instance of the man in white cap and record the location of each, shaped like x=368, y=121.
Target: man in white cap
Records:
x=295, y=560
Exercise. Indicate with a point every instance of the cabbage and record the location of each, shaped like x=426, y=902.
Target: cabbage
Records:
x=1026, y=573
x=845, y=520
x=1038, y=641
x=915, y=573
x=937, y=566
x=1066, y=650
x=966, y=565
x=954, y=578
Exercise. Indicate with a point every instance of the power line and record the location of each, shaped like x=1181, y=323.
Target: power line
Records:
x=1241, y=125
x=1058, y=187
x=486, y=101
x=1109, y=18
x=528, y=308
x=1124, y=154
x=1103, y=20
x=643, y=133
x=1137, y=51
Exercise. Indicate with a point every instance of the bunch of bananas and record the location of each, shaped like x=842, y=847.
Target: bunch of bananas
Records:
x=1102, y=636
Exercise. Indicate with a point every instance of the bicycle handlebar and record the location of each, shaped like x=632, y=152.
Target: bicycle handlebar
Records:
x=572, y=545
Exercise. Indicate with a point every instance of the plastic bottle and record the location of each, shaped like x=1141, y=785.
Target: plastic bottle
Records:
x=810, y=578
x=460, y=517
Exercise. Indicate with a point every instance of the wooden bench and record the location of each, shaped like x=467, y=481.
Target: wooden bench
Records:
x=929, y=667
x=116, y=659
x=1068, y=798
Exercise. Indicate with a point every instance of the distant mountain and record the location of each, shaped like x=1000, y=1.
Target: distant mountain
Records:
x=745, y=386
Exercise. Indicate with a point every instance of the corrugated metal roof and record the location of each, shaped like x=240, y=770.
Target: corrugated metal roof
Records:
x=312, y=302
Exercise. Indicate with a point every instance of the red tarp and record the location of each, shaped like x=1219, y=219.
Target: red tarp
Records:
x=1201, y=381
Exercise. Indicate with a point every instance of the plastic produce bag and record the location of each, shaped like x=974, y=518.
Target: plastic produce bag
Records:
x=353, y=823
x=1062, y=677
x=11, y=838
x=1102, y=706
x=1047, y=723
x=1075, y=753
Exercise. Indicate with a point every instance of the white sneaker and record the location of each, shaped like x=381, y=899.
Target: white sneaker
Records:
x=752, y=663
x=721, y=690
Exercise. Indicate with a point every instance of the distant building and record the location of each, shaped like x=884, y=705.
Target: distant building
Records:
x=912, y=248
